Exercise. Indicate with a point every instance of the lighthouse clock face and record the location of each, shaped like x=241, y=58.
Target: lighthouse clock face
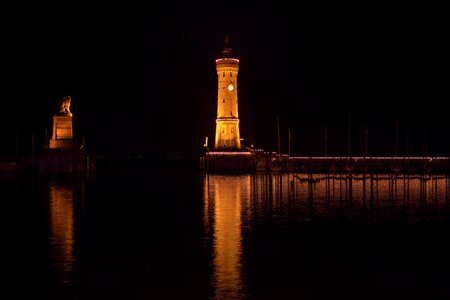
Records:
x=231, y=87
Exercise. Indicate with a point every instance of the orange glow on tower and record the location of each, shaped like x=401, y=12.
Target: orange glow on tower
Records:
x=227, y=122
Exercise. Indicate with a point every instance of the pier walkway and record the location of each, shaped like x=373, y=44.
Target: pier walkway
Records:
x=272, y=162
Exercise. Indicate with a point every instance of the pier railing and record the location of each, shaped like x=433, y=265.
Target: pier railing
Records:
x=270, y=161
x=367, y=164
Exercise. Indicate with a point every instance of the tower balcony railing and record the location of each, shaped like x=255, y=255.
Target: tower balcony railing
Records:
x=227, y=60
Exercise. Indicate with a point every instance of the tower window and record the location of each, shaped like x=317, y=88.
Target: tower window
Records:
x=223, y=75
x=231, y=74
x=223, y=101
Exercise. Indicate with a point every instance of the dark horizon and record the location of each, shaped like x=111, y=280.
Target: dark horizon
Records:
x=143, y=79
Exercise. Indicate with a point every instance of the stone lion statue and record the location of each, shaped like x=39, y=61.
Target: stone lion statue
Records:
x=65, y=106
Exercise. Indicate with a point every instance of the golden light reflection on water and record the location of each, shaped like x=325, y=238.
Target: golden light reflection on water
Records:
x=378, y=197
x=62, y=231
x=234, y=207
x=385, y=193
x=224, y=197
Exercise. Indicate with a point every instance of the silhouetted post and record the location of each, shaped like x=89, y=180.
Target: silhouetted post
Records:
x=289, y=142
x=366, y=140
x=326, y=141
x=396, y=137
x=426, y=138
x=349, y=135
x=407, y=142
x=17, y=142
x=46, y=138
x=278, y=135
x=32, y=145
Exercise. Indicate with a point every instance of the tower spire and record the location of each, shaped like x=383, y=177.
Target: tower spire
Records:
x=227, y=50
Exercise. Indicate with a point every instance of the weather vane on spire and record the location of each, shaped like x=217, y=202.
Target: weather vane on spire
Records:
x=226, y=51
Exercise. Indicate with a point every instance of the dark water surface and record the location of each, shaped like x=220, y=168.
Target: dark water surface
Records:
x=181, y=234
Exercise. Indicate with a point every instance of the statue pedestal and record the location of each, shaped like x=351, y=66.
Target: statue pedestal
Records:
x=62, y=136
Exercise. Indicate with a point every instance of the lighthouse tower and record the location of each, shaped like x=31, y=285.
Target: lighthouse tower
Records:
x=227, y=122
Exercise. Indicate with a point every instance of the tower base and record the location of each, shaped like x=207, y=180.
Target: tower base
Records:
x=238, y=160
x=61, y=144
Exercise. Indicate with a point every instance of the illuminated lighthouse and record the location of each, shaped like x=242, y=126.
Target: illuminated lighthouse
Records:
x=227, y=122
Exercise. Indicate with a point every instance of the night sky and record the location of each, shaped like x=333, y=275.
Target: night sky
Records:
x=143, y=81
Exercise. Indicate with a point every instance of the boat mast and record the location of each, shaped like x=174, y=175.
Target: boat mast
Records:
x=289, y=142
x=278, y=134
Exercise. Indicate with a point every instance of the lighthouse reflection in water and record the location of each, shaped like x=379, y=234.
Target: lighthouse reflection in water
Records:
x=224, y=198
